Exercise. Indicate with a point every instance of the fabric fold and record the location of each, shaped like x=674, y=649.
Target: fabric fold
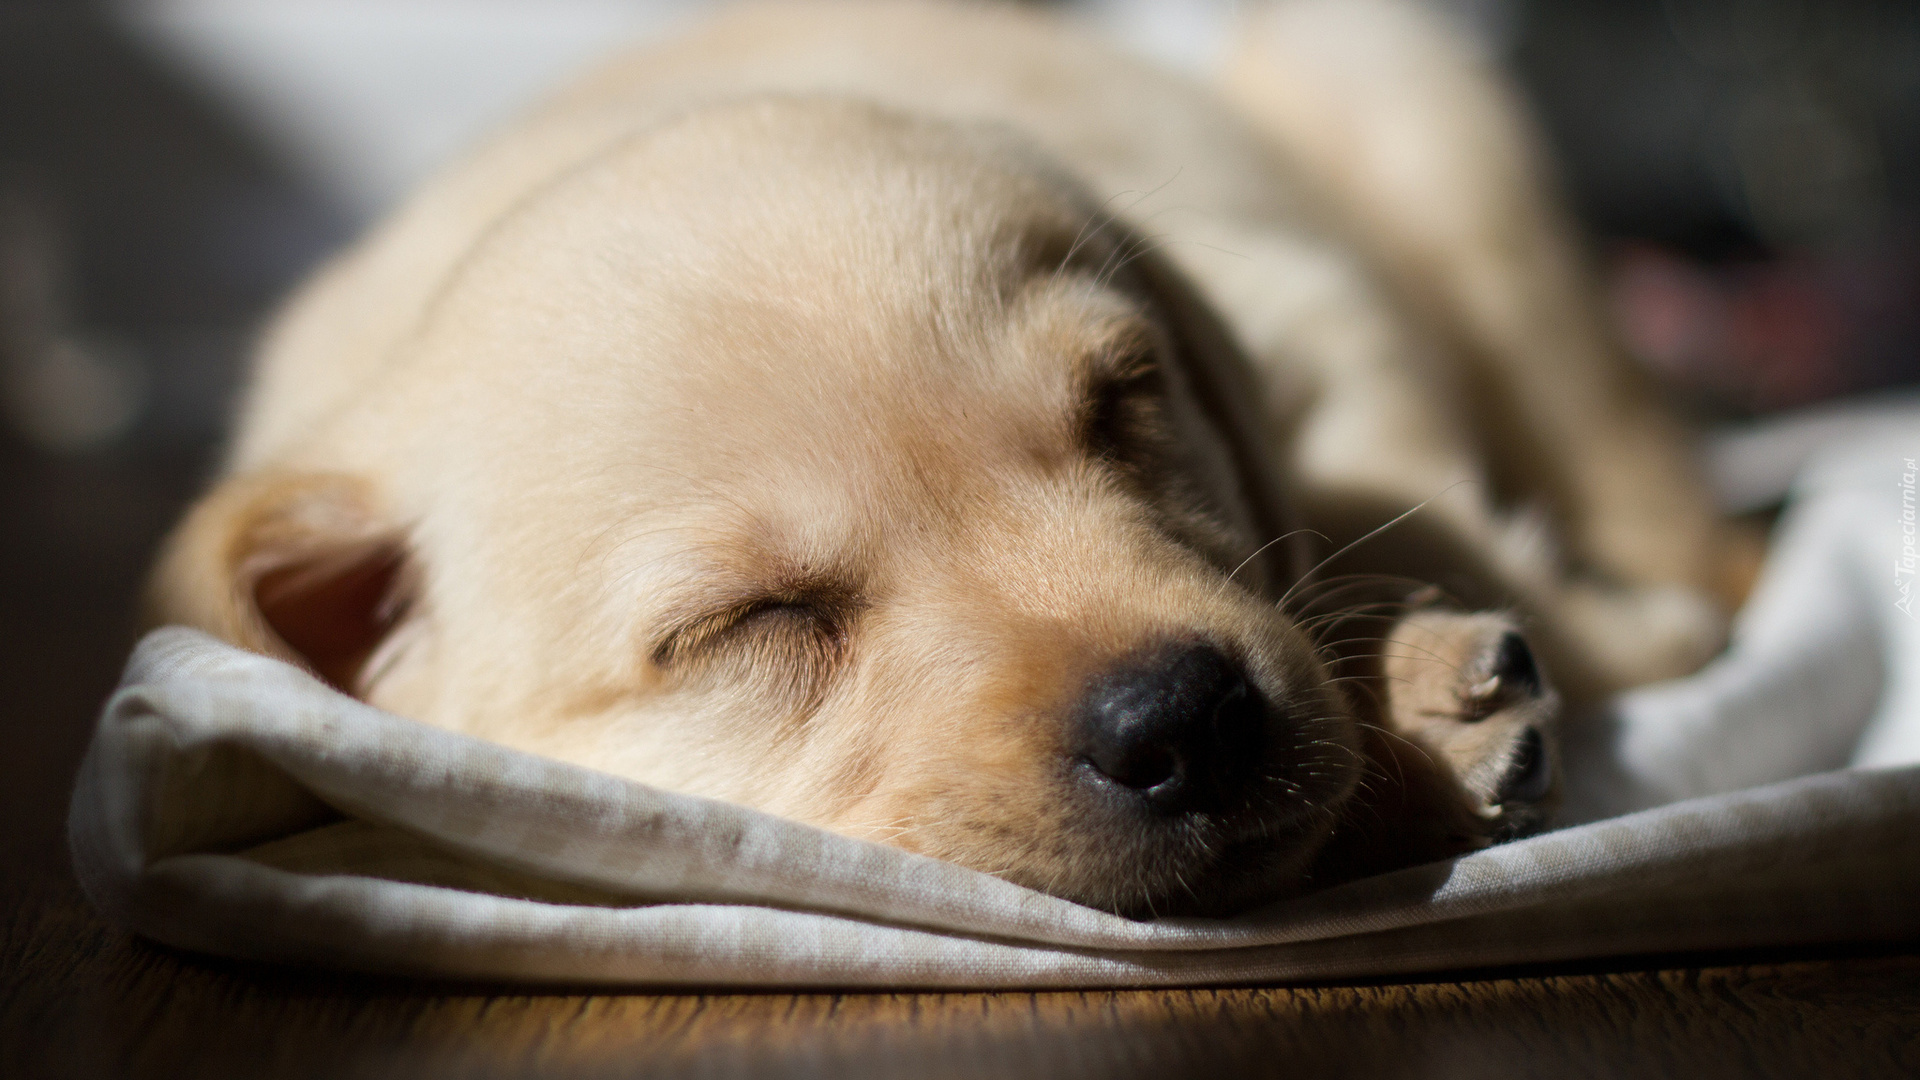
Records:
x=232, y=804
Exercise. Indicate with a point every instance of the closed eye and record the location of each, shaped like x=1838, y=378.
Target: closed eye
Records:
x=765, y=615
x=785, y=617
x=792, y=640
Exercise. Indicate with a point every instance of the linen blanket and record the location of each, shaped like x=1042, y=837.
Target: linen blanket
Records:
x=232, y=804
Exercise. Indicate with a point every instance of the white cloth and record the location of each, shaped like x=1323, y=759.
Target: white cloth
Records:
x=1823, y=670
x=231, y=804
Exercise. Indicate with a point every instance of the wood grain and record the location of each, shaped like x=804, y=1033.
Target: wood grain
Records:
x=78, y=999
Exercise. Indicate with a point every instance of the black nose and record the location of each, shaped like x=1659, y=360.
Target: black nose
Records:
x=1183, y=727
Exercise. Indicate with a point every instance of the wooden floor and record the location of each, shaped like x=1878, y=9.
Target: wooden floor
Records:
x=80, y=1000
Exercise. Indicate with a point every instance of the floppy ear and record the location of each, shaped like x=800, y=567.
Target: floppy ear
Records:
x=299, y=566
x=1215, y=370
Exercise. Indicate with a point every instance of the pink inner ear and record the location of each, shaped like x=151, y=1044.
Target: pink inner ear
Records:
x=335, y=610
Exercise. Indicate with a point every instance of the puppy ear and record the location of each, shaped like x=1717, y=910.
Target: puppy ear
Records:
x=303, y=567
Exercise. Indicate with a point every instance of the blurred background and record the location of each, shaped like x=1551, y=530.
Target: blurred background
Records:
x=1748, y=170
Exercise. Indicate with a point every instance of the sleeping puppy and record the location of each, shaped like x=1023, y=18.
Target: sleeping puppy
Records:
x=920, y=422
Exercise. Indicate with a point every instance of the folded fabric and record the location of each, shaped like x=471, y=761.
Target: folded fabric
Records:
x=1823, y=671
x=234, y=805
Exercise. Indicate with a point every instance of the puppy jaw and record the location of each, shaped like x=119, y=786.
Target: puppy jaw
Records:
x=1007, y=787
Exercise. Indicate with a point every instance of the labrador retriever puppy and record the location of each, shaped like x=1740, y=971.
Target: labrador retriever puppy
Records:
x=923, y=422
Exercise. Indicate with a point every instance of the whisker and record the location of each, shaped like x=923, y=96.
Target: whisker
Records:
x=1356, y=611
x=1390, y=733
x=1325, y=589
x=1103, y=217
x=1263, y=547
x=1404, y=515
x=1421, y=654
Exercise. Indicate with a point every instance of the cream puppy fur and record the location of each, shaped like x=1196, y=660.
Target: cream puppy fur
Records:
x=885, y=416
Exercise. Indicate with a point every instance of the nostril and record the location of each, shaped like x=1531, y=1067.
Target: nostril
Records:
x=1141, y=768
x=1173, y=726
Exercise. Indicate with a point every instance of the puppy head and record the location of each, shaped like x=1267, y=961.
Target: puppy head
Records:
x=829, y=462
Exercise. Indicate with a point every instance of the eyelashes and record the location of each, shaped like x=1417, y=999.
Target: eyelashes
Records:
x=794, y=642
x=788, y=622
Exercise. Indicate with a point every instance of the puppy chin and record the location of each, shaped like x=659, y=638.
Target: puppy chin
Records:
x=1117, y=853
x=1214, y=869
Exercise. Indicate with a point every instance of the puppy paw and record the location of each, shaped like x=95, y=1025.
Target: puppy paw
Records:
x=1466, y=692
